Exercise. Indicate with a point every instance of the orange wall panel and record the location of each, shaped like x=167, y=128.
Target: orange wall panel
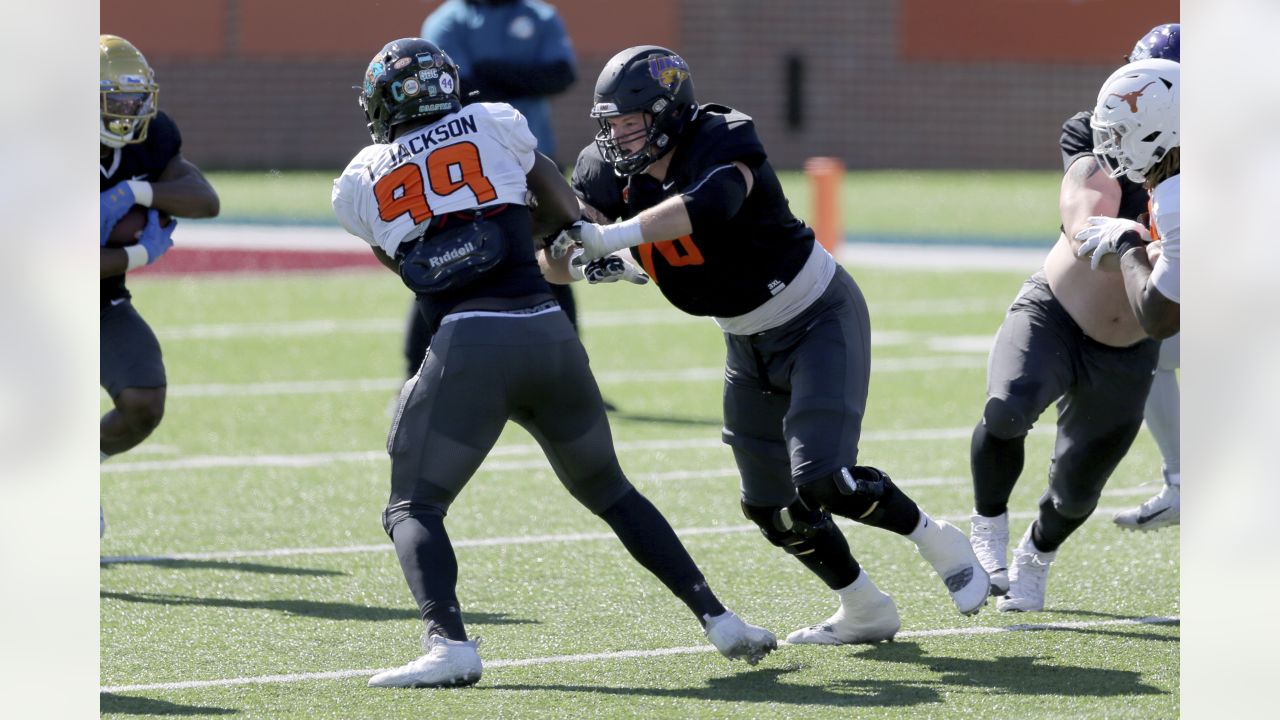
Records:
x=186, y=28
x=1048, y=31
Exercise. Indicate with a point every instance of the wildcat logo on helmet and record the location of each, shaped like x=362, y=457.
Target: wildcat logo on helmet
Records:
x=669, y=70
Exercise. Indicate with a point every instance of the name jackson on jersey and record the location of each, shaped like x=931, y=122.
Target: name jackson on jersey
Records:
x=405, y=148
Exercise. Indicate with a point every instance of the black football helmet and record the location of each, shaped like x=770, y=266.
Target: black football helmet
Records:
x=648, y=79
x=409, y=79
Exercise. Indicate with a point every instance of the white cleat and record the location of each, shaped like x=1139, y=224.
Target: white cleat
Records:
x=446, y=663
x=948, y=551
x=1160, y=511
x=739, y=640
x=1027, y=578
x=989, y=538
x=866, y=615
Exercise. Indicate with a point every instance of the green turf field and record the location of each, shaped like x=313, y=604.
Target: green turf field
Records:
x=998, y=207
x=268, y=475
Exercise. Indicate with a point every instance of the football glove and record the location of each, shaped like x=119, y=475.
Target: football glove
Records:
x=115, y=202
x=156, y=240
x=610, y=268
x=1103, y=237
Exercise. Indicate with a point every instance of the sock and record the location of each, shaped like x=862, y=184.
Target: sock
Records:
x=431, y=569
x=649, y=538
x=995, y=464
x=924, y=529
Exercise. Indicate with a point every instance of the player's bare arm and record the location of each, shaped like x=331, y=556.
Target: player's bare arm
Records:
x=1087, y=191
x=183, y=191
x=1160, y=317
x=386, y=260
x=112, y=261
x=557, y=205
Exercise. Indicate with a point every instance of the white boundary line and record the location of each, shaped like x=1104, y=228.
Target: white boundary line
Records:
x=631, y=654
x=496, y=541
x=305, y=460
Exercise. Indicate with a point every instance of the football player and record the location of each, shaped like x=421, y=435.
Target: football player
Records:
x=440, y=195
x=141, y=163
x=1070, y=336
x=703, y=212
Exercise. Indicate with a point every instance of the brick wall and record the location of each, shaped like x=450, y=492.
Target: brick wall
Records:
x=887, y=83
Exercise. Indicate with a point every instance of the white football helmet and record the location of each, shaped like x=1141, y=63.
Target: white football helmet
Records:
x=1135, y=122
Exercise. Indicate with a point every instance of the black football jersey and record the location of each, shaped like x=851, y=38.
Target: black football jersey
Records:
x=142, y=161
x=731, y=268
x=1077, y=142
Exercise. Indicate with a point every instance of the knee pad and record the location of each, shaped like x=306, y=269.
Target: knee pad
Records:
x=398, y=512
x=1004, y=419
x=794, y=528
x=853, y=492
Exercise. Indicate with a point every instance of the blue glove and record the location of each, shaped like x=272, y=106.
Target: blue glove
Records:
x=154, y=239
x=116, y=201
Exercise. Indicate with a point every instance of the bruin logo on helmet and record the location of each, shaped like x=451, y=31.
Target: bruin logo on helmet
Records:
x=1132, y=97
x=399, y=74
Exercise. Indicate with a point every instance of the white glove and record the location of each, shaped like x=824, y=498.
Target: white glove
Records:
x=596, y=240
x=610, y=268
x=1102, y=236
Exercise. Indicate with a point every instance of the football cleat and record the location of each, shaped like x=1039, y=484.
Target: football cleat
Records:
x=948, y=551
x=739, y=640
x=1162, y=510
x=866, y=615
x=989, y=538
x=447, y=663
x=1027, y=577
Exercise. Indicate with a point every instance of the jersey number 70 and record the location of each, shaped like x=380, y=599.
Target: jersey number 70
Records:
x=402, y=191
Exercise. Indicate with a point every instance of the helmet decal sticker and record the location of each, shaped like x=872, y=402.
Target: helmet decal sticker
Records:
x=669, y=70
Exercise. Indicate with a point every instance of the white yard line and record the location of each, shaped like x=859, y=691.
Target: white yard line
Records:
x=319, y=459
x=632, y=654
x=607, y=377
x=512, y=541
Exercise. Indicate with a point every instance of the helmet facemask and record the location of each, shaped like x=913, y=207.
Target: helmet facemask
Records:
x=128, y=93
x=656, y=142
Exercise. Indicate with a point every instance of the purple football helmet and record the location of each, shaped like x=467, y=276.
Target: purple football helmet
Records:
x=1161, y=43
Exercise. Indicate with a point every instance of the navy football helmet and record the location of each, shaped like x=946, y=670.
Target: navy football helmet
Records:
x=648, y=79
x=1160, y=43
x=409, y=79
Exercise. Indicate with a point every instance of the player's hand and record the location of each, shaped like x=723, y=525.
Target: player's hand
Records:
x=610, y=268
x=586, y=235
x=1102, y=237
x=154, y=238
x=116, y=201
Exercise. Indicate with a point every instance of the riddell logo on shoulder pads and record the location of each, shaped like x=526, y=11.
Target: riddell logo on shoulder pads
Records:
x=1132, y=97
x=454, y=254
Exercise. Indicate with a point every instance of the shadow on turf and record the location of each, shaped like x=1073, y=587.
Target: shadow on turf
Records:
x=134, y=705
x=308, y=608
x=761, y=685
x=225, y=565
x=666, y=420
x=1013, y=676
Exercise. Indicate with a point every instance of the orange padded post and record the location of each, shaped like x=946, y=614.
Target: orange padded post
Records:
x=826, y=174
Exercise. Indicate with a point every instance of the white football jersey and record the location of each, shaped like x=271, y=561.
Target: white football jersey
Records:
x=476, y=157
x=1166, y=227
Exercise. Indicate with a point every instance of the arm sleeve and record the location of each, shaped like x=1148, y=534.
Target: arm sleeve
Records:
x=512, y=130
x=347, y=205
x=1076, y=140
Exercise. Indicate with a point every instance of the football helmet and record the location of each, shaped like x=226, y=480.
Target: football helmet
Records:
x=409, y=79
x=127, y=92
x=643, y=79
x=1161, y=42
x=1135, y=121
